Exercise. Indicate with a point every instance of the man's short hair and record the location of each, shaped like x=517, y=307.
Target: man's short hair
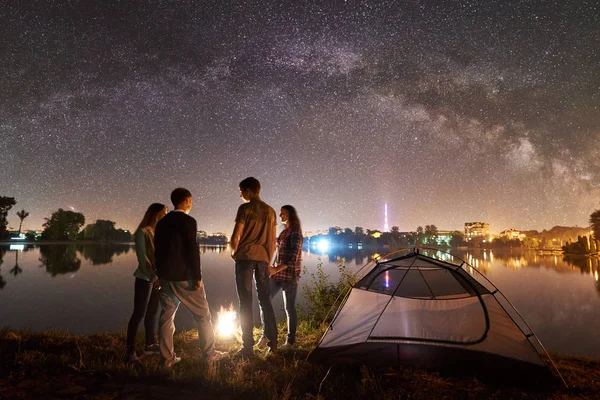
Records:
x=250, y=183
x=179, y=196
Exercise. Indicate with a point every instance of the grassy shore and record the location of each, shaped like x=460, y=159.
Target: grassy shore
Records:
x=60, y=365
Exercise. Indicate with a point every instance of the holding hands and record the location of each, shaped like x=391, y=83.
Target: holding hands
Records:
x=273, y=270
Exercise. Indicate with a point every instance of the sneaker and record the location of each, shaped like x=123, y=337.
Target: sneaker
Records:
x=153, y=348
x=271, y=349
x=170, y=363
x=262, y=343
x=215, y=356
x=244, y=353
x=131, y=357
x=287, y=347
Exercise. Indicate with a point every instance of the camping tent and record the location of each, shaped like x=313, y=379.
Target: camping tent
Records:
x=419, y=309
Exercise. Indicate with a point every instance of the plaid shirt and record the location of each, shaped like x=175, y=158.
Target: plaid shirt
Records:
x=289, y=252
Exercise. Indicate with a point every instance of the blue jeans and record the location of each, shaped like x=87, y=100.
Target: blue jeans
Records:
x=244, y=269
x=290, y=289
x=145, y=307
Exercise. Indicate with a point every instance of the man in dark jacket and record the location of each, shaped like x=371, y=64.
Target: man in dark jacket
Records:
x=178, y=268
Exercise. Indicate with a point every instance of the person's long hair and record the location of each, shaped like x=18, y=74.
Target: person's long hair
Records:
x=293, y=217
x=151, y=216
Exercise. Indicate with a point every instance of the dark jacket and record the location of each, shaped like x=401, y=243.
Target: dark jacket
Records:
x=176, y=249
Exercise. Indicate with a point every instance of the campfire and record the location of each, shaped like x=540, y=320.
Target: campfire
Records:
x=227, y=325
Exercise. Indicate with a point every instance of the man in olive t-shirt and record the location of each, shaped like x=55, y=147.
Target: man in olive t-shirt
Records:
x=253, y=246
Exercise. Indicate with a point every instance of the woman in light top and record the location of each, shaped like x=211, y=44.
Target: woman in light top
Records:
x=146, y=289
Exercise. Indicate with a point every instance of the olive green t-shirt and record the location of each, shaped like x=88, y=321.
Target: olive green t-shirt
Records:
x=257, y=240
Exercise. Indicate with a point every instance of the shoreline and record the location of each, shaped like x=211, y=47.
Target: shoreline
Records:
x=53, y=242
x=51, y=364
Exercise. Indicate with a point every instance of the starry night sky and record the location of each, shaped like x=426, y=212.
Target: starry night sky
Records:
x=449, y=111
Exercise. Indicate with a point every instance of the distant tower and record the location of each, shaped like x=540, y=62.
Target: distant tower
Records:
x=386, y=227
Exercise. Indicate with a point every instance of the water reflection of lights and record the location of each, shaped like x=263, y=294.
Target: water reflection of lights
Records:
x=387, y=278
x=20, y=247
x=596, y=276
x=491, y=256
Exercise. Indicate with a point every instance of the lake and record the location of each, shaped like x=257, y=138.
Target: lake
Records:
x=88, y=288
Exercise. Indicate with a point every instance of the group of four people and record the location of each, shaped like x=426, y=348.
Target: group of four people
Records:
x=169, y=273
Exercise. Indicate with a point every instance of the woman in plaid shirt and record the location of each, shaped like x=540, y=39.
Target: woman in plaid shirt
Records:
x=287, y=270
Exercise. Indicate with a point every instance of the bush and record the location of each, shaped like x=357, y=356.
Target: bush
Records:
x=323, y=296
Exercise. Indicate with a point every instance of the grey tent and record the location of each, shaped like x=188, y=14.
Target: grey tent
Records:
x=419, y=309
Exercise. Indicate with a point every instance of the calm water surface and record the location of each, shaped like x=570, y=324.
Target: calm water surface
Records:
x=89, y=288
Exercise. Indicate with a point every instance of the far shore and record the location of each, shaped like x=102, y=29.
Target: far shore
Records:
x=46, y=242
x=43, y=242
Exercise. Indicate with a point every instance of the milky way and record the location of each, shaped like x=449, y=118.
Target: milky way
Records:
x=466, y=111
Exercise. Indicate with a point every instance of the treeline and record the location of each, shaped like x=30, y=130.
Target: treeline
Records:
x=63, y=225
x=583, y=245
x=6, y=203
x=371, y=238
x=586, y=245
x=66, y=225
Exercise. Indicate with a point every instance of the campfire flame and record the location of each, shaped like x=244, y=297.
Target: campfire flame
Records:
x=227, y=322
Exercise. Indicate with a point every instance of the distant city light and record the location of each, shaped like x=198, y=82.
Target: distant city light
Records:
x=323, y=245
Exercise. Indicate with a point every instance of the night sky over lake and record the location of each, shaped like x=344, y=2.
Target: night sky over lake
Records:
x=448, y=111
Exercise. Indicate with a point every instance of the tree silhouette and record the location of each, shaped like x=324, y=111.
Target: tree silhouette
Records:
x=63, y=225
x=104, y=230
x=6, y=204
x=595, y=222
x=420, y=235
x=22, y=215
x=430, y=233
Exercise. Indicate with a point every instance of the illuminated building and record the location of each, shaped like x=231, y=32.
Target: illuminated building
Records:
x=477, y=230
x=443, y=237
x=376, y=234
x=512, y=234
x=309, y=234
